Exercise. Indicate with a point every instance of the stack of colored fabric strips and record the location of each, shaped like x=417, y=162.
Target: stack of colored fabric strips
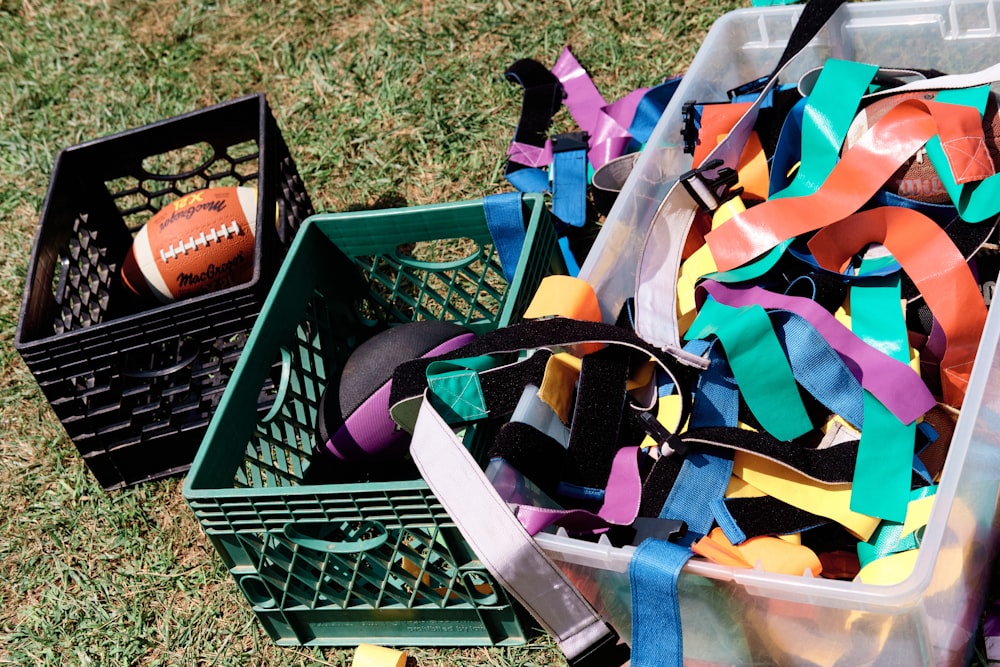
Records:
x=828, y=315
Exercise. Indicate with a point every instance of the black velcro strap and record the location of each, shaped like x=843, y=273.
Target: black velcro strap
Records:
x=597, y=417
x=658, y=483
x=409, y=380
x=543, y=95
x=534, y=454
x=769, y=516
x=832, y=465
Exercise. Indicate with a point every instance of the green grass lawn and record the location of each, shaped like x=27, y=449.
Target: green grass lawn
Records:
x=378, y=101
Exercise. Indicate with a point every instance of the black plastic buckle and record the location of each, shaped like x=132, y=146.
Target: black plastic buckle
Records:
x=668, y=530
x=673, y=443
x=570, y=141
x=609, y=651
x=711, y=193
x=644, y=527
x=689, y=132
x=748, y=88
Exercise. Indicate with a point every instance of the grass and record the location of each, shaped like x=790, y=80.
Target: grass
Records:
x=379, y=101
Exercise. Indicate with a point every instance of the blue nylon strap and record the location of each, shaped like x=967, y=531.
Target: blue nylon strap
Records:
x=649, y=110
x=529, y=179
x=818, y=368
x=726, y=522
x=703, y=477
x=572, y=266
x=505, y=220
x=656, y=614
x=716, y=401
x=569, y=186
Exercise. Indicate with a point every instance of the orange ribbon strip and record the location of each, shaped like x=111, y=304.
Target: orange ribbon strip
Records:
x=936, y=267
x=862, y=170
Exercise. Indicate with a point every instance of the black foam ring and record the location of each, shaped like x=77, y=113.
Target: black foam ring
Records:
x=769, y=516
x=597, y=418
x=409, y=379
x=658, y=483
x=372, y=364
x=537, y=456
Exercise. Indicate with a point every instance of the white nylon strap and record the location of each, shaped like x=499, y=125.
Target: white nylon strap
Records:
x=499, y=539
x=660, y=258
x=948, y=81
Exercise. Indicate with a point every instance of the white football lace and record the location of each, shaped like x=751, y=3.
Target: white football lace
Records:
x=203, y=240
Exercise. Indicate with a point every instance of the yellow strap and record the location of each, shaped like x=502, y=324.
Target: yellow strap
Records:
x=562, y=370
x=918, y=513
x=564, y=296
x=738, y=488
x=890, y=570
x=772, y=554
x=829, y=500
x=369, y=655
x=700, y=263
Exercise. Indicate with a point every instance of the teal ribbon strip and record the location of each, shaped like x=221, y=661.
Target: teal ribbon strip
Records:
x=830, y=109
x=975, y=201
x=759, y=365
x=888, y=538
x=883, y=470
x=454, y=389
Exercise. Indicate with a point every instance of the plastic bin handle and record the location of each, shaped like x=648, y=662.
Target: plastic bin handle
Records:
x=303, y=534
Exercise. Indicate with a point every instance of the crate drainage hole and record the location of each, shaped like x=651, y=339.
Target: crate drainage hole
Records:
x=257, y=593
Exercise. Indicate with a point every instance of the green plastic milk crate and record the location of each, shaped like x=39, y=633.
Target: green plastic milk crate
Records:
x=344, y=557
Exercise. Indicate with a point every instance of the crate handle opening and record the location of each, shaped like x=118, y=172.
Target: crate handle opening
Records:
x=281, y=390
x=313, y=535
x=481, y=587
x=401, y=255
x=164, y=166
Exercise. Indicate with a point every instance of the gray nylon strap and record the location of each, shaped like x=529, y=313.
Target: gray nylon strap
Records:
x=660, y=258
x=499, y=539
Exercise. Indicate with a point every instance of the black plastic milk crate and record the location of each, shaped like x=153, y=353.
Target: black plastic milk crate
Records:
x=135, y=388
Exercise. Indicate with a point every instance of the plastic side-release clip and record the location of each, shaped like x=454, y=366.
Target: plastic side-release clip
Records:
x=711, y=192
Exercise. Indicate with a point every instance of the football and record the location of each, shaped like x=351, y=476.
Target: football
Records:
x=201, y=242
x=354, y=423
x=916, y=178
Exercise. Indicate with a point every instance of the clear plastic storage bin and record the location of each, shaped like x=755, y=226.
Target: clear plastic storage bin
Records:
x=735, y=616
